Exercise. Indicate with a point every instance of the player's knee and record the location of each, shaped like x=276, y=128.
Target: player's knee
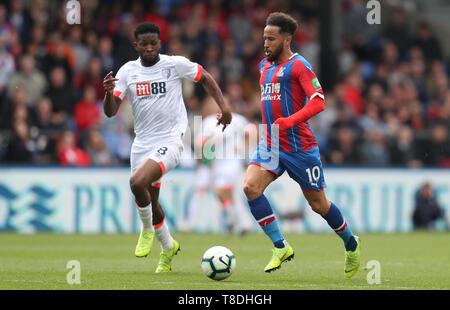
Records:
x=137, y=184
x=251, y=191
x=318, y=206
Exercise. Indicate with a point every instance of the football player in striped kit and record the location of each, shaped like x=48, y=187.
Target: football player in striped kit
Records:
x=290, y=95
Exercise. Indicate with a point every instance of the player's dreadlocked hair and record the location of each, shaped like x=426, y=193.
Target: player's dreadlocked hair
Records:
x=286, y=22
x=146, y=27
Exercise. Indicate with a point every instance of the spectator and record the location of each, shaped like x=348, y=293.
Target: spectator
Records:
x=8, y=68
x=436, y=151
x=427, y=42
x=6, y=29
x=31, y=79
x=344, y=119
x=59, y=54
x=326, y=118
x=21, y=19
x=426, y=210
x=118, y=139
x=97, y=150
x=232, y=66
x=240, y=28
x=105, y=53
x=86, y=112
x=402, y=148
x=61, y=95
x=81, y=52
x=123, y=41
x=10, y=105
x=45, y=130
x=371, y=120
x=374, y=151
x=397, y=30
x=345, y=150
x=93, y=78
x=43, y=115
x=21, y=148
x=69, y=153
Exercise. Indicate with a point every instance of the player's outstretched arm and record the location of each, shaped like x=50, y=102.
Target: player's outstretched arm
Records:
x=313, y=107
x=111, y=103
x=211, y=87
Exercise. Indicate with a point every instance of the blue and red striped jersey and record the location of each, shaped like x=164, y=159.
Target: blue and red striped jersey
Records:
x=285, y=89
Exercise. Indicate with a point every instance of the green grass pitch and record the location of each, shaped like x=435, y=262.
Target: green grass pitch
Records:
x=408, y=262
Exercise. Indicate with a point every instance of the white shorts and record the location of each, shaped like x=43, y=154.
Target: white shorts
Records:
x=222, y=173
x=167, y=155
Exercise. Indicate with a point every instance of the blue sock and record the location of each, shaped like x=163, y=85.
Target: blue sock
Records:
x=263, y=214
x=336, y=221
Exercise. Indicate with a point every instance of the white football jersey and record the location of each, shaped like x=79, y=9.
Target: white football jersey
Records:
x=156, y=98
x=229, y=144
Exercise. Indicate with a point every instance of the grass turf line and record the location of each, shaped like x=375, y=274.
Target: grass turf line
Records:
x=408, y=261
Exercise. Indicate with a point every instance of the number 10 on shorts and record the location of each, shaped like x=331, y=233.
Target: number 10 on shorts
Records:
x=313, y=175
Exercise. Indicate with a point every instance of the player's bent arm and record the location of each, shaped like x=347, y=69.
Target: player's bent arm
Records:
x=111, y=104
x=313, y=107
x=211, y=87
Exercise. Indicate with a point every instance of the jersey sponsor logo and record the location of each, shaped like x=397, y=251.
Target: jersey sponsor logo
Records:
x=148, y=89
x=271, y=91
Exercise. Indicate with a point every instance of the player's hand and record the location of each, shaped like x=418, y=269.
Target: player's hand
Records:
x=109, y=82
x=284, y=123
x=224, y=118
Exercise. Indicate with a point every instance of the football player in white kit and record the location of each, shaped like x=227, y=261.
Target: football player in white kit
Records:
x=221, y=169
x=153, y=85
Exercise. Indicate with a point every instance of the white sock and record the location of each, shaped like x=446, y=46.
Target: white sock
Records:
x=145, y=213
x=162, y=234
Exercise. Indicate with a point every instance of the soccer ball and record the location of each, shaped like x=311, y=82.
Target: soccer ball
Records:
x=218, y=263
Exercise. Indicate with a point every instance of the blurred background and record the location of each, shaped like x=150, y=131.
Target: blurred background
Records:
x=383, y=135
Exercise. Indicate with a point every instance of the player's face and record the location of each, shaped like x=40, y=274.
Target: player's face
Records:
x=274, y=42
x=148, y=46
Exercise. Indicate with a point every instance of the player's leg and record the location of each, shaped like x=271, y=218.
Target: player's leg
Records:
x=168, y=157
x=225, y=196
x=162, y=232
x=225, y=172
x=147, y=173
x=256, y=181
x=169, y=246
x=331, y=213
x=140, y=180
x=306, y=168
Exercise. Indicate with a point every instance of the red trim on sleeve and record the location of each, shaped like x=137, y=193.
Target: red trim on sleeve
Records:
x=117, y=93
x=163, y=168
x=199, y=73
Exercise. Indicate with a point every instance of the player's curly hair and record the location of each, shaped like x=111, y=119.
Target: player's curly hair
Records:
x=146, y=27
x=286, y=22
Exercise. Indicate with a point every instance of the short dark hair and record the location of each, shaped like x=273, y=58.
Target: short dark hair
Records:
x=286, y=22
x=146, y=27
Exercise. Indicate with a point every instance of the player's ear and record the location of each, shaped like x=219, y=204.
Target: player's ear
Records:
x=288, y=40
x=135, y=44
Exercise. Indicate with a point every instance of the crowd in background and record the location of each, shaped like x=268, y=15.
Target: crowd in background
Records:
x=390, y=107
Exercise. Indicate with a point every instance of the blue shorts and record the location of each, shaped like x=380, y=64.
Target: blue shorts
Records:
x=304, y=167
